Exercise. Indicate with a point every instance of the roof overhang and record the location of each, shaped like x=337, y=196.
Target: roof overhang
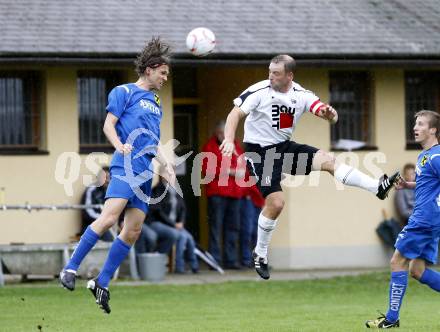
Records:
x=306, y=60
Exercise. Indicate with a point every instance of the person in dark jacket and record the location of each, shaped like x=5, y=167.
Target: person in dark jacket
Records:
x=95, y=194
x=167, y=216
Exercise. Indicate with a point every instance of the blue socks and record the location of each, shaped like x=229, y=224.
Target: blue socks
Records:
x=87, y=242
x=398, y=283
x=431, y=278
x=118, y=251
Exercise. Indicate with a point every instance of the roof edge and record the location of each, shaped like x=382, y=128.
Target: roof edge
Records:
x=316, y=60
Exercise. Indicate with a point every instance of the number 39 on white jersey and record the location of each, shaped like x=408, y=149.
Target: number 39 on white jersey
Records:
x=272, y=115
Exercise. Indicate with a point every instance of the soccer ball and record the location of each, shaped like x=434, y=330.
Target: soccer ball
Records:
x=200, y=41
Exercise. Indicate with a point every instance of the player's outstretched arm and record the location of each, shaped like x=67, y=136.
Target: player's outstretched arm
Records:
x=227, y=147
x=169, y=173
x=402, y=184
x=111, y=134
x=328, y=113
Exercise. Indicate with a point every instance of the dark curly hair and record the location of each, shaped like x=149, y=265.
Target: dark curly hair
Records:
x=153, y=55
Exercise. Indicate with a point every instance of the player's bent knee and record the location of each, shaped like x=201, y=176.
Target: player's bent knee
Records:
x=416, y=269
x=276, y=205
x=415, y=273
x=137, y=233
x=397, y=263
x=133, y=237
x=129, y=237
x=324, y=161
x=107, y=220
x=133, y=234
x=394, y=263
x=324, y=155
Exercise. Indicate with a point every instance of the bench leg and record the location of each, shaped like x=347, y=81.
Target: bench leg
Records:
x=2, y=278
x=172, y=260
x=66, y=256
x=133, y=264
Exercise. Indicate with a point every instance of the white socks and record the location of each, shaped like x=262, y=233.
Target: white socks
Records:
x=345, y=174
x=265, y=230
x=353, y=177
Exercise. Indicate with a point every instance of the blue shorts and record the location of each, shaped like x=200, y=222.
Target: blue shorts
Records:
x=136, y=192
x=419, y=241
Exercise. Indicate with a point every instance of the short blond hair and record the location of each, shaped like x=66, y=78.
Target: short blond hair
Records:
x=433, y=122
x=287, y=60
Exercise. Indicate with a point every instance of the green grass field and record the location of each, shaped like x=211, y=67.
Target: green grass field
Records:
x=338, y=304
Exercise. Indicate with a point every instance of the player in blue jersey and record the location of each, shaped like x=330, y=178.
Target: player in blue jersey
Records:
x=132, y=126
x=417, y=244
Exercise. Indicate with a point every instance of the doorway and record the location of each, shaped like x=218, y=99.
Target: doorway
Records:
x=185, y=131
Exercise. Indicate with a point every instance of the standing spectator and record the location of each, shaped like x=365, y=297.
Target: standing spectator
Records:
x=250, y=207
x=223, y=200
x=95, y=194
x=258, y=202
x=404, y=199
x=168, y=217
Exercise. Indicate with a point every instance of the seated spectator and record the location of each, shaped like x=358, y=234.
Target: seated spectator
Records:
x=155, y=237
x=147, y=241
x=95, y=194
x=404, y=198
x=168, y=217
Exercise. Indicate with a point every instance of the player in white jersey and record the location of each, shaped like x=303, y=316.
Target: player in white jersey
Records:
x=273, y=107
